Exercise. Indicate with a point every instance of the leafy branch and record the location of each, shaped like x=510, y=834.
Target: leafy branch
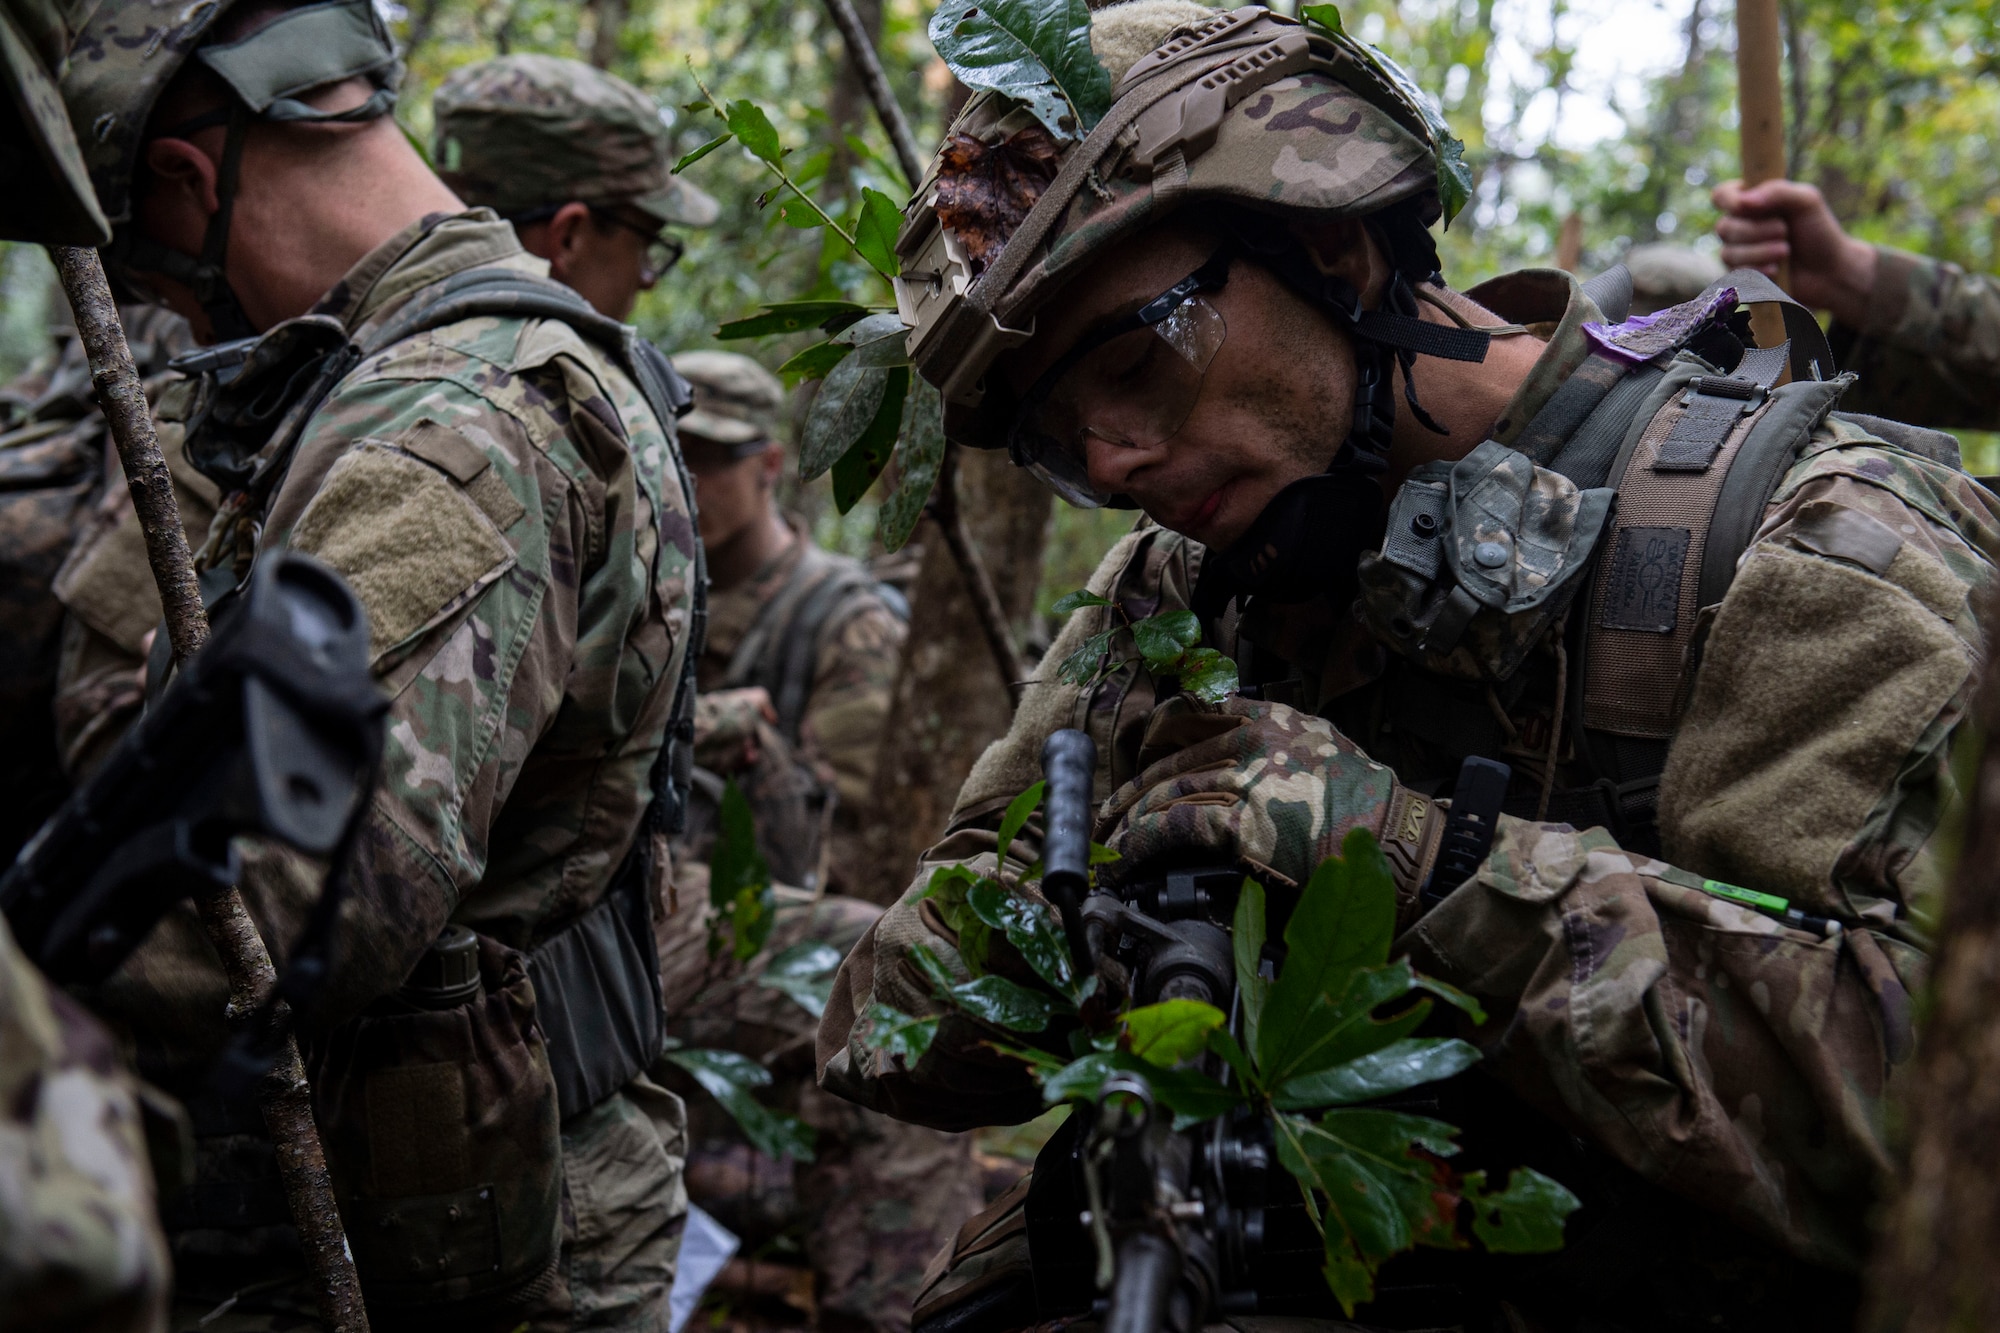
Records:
x=1169, y=643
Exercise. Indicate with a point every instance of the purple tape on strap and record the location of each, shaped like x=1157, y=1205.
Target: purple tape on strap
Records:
x=1643, y=337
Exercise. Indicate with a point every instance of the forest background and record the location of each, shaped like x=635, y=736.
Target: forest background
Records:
x=1615, y=116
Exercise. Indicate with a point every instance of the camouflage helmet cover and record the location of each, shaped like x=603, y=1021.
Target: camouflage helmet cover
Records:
x=736, y=401
x=49, y=199
x=130, y=50
x=1246, y=107
x=520, y=132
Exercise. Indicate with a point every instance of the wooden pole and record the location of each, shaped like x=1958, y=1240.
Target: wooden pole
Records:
x=978, y=582
x=1760, y=104
x=283, y=1096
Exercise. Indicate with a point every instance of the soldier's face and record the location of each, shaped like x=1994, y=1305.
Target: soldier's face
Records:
x=732, y=493
x=1273, y=405
x=603, y=258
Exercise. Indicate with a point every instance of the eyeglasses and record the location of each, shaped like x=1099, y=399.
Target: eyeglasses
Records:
x=1132, y=383
x=662, y=251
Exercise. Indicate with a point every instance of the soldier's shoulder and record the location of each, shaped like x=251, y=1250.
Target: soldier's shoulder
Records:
x=1903, y=465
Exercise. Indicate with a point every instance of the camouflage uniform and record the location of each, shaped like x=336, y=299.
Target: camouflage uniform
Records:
x=1727, y=1078
x=504, y=504
x=1929, y=352
x=881, y=1196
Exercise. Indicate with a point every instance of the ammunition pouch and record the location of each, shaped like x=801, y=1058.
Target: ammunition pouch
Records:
x=597, y=984
x=442, y=1135
x=1479, y=559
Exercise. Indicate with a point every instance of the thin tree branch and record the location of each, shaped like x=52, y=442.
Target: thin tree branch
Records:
x=284, y=1096
x=868, y=65
x=978, y=583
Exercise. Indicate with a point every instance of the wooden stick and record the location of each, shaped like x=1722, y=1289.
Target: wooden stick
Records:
x=284, y=1098
x=875, y=83
x=978, y=582
x=1760, y=103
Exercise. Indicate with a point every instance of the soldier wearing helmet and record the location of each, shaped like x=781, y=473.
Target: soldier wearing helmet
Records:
x=1391, y=503
x=577, y=160
x=393, y=385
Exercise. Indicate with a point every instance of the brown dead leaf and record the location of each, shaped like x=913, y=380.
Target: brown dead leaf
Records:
x=984, y=190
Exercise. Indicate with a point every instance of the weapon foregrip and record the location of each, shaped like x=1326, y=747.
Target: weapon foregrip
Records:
x=1069, y=762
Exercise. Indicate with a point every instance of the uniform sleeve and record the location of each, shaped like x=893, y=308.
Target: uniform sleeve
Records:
x=1930, y=351
x=1736, y=1061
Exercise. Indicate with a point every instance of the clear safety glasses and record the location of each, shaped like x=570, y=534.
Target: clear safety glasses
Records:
x=1132, y=383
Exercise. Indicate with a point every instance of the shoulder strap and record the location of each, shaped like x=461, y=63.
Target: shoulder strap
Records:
x=781, y=650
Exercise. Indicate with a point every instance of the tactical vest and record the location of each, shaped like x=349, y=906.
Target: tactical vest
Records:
x=535, y=1039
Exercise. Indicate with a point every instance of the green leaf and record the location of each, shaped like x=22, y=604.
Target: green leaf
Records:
x=1018, y=811
x=1163, y=638
x=841, y=412
x=703, y=151
x=1343, y=923
x=1344, y=1027
x=1076, y=601
x=796, y=214
x=1525, y=1218
x=919, y=456
x=1247, y=942
x=1234, y=1056
x=862, y=149
x=789, y=317
x=747, y=121
x=934, y=970
x=1079, y=1080
x=1004, y=1003
x=1327, y=16
x=1035, y=51
x=1081, y=666
x=1172, y=1031
x=949, y=888
x=1208, y=675
x=735, y=864
x=1100, y=855
x=878, y=339
x=805, y=973
x=729, y=1078
x=900, y=1035
x=1399, y=1065
x=1030, y=927
x=857, y=469
x=1190, y=1094
x=814, y=362
x=875, y=232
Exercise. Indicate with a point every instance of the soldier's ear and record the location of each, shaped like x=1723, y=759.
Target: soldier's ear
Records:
x=1348, y=250
x=181, y=175
x=566, y=235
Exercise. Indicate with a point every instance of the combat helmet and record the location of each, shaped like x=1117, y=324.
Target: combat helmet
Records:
x=128, y=53
x=1257, y=116
x=49, y=199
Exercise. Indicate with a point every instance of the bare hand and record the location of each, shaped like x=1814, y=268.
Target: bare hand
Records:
x=1765, y=225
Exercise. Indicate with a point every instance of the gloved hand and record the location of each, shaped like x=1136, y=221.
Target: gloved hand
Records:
x=1266, y=787
x=731, y=728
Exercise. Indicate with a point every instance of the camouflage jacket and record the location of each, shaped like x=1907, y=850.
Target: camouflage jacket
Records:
x=847, y=675
x=1929, y=352
x=1741, y=1065
x=505, y=505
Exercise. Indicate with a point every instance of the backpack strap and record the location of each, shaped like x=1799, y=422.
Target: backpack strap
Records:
x=781, y=650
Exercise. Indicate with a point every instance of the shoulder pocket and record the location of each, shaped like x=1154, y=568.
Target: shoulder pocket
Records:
x=415, y=529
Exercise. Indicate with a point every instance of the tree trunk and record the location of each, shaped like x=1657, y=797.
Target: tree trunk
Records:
x=610, y=26
x=1934, y=1264
x=950, y=702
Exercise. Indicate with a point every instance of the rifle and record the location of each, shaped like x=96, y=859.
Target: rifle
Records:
x=273, y=729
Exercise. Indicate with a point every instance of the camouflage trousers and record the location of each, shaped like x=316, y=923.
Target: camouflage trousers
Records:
x=624, y=1206
x=881, y=1196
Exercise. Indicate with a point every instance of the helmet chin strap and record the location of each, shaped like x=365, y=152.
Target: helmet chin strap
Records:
x=1308, y=540
x=207, y=276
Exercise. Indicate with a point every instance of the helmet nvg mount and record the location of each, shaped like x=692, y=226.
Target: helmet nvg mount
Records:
x=129, y=52
x=1254, y=115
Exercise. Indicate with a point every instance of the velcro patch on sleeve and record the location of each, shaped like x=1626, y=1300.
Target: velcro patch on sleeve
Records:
x=413, y=545
x=468, y=465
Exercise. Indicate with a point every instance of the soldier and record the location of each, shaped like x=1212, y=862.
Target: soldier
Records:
x=1923, y=335
x=80, y=1241
x=1390, y=503
x=1664, y=275
x=577, y=160
x=492, y=467
x=802, y=651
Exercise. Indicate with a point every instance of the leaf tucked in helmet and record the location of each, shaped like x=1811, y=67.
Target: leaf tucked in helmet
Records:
x=985, y=190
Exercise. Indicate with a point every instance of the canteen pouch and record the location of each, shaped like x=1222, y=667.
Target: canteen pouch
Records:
x=442, y=1134
x=1478, y=559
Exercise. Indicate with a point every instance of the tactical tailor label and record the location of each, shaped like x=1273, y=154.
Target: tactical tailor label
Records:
x=1644, y=591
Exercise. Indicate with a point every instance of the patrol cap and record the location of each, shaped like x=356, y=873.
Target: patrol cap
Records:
x=48, y=198
x=520, y=132
x=736, y=401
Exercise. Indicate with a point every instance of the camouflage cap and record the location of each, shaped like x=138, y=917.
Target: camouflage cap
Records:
x=521, y=132
x=49, y=199
x=736, y=401
x=1244, y=107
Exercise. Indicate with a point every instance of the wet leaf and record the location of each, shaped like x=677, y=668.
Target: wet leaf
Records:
x=805, y=973
x=1035, y=51
x=877, y=339
x=860, y=465
x=789, y=317
x=1172, y=1031
x=1084, y=665
x=1208, y=675
x=900, y=1035
x=875, y=231
x=1525, y=1218
x=1343, y=923
x=729, y=1078
x=919, y=456
x=1397, y=1066
x=747, y=121
x=703, y=151
x=1018, y=812
x=1076, y=601
x=1004, y=1003
x=949, y=887
x=1163, y=638
x=842, y=410
x=1030, y=927
x=984, y=190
